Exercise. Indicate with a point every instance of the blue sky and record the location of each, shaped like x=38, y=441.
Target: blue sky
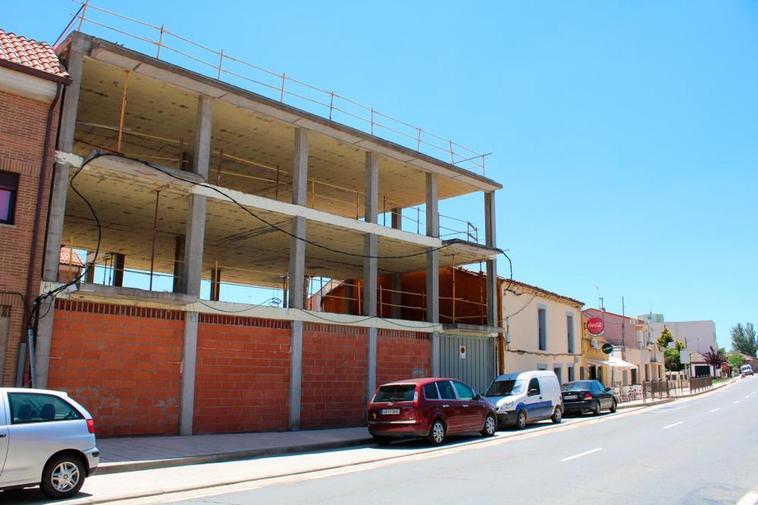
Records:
x=624, y=133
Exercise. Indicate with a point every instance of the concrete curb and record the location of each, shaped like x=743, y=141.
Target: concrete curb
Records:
x=133, y=466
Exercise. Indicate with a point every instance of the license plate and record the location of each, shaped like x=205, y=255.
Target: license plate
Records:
x=390, y=412
x=570, y=397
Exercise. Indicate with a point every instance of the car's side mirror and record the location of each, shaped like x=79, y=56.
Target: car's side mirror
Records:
x=607, y=390
x=477, y=396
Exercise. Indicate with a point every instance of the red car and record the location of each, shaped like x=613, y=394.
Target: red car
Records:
x=432, y=408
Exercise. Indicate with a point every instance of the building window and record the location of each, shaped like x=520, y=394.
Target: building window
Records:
x=8, y=190
x=542, y=328
x=557, y=371
x=570, y=371
x=570, y=329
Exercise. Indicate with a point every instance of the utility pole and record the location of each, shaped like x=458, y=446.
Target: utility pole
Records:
x=623, y=336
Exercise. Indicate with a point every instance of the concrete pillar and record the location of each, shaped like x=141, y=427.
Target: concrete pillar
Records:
x=433, y=267
x=490, y=241
x=296, y=285
x=89, y=276
x=396, y=298
x=371, y=264
x=59, y=192
x=179, y=285
x=432, y=256
x=195, y=234
x=189, y=361
x=43, y=343
x=119, y=262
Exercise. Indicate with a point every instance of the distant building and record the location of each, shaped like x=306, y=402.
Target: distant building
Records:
x=651, y=318
x=697, y=336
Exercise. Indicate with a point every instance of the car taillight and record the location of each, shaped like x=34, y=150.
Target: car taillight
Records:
x=415, y=398
x=91, y=425
x=587, y=396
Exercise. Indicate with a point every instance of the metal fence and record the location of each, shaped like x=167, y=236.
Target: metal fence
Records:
x=221, y=65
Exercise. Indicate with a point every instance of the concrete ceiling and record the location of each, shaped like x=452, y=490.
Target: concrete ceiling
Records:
x=250, y=151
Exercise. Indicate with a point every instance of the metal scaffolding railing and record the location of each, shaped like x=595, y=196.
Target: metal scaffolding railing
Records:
x=223, y=66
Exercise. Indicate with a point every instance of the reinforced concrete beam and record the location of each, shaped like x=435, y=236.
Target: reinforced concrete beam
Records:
x=189, y=361
x=56, y=213
x=296, y=283
x=195, y=235
x=490, y=241
x=432, y=255
x=370, y=265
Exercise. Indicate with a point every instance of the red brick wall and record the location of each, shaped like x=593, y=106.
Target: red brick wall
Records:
x=122, y=363
x=402, y=355
x=334, y=376
x=242, y=377
x=22, y=136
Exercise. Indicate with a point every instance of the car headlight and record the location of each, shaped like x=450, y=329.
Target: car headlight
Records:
x=506, y=406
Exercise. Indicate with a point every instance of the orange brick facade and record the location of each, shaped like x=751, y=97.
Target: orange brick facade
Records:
x=23, y=125
x=122, y=363
x=242, y=375
x=334, y=376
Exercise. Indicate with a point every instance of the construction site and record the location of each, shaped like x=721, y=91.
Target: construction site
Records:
x=244, y=239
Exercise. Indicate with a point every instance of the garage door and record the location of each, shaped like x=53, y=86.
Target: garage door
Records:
x=470, y=359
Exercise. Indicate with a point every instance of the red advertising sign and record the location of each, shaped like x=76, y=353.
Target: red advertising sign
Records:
x=595, y=326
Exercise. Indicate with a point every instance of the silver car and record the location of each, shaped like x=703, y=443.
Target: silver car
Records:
x=46, y=439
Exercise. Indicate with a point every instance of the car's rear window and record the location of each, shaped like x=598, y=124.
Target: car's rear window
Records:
x=400, y=393
x=505, y=388
x=578, y=386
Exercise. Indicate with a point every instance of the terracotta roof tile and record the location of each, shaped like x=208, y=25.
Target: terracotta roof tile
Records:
x=29, y=53
x=70, y=257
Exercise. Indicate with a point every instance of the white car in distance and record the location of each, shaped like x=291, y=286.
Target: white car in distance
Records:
x=46, y=439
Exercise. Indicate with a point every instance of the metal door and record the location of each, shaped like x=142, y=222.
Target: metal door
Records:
x=469, y=359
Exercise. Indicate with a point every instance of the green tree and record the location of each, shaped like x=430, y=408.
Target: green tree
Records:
x=744, y=339
x=671, y=356
x=665, y=339
x=736, y=360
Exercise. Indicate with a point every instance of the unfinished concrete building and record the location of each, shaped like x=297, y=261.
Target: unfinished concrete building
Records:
x=218, y=212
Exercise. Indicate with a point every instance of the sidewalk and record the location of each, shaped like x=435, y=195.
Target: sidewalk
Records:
x=143, y=453
x=677, y=395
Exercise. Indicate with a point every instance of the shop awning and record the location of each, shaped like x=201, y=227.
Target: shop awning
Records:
x=612, y=362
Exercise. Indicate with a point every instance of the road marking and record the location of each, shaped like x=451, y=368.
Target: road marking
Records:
x=581, y=454
x=716, y=409
x=736, y=402
x=747, y=396
x=672, y=425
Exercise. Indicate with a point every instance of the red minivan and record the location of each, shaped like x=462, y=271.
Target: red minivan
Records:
x=432, y=408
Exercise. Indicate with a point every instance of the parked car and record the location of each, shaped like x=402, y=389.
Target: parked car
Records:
x=746, y=370
x=587, y=396
x=46, y=439
x=525, y=397
x=432, y=408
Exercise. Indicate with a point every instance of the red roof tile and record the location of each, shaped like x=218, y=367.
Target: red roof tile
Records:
x=70, y=257
x=36, y=56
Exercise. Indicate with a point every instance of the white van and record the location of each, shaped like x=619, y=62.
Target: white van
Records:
x=523, y=397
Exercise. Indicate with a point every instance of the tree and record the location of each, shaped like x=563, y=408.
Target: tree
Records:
x=665, y=339
x=715, y=357
x=736, y=360
x=744, y=339
x=672, y=356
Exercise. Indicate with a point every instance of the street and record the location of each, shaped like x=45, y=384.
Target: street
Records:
x=693, y=451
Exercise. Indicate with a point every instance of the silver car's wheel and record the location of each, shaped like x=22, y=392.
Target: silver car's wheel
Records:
x=437, y=432
x=63, y=477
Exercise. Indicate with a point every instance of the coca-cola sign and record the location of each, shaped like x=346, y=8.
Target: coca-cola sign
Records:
x=595, y=326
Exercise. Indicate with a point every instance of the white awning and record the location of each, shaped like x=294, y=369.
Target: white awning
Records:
x=612, y=362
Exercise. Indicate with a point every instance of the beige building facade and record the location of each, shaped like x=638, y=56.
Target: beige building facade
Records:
x=542, y=330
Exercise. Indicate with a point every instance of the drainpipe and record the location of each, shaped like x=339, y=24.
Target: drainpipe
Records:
x=30, y=274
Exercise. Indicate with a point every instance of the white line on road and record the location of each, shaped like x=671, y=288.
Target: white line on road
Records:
x=751, y=498
x=581, y=454
x=736, y=402
x=672, y=425
x=716, y=409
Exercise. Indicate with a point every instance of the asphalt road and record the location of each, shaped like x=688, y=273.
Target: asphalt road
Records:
x=702, y=450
